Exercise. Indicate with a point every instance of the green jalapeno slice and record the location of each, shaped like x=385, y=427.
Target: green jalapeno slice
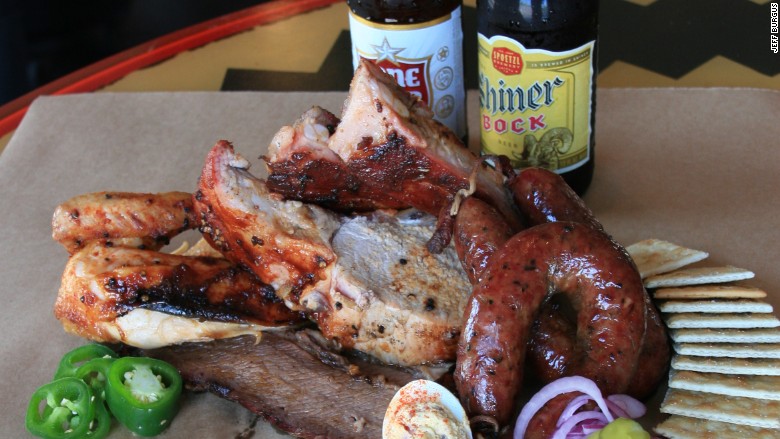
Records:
x=143, y=394
x=74, y=359
x=95, y=374
x=61, y=409
x=101, y=425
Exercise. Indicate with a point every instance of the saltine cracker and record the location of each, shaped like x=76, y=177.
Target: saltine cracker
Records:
x=748, y=386
x=714, y=306
x=709, y=335
x=721, y=320
x=654, y=256
x=710, y=292
x=737, y=410
x=684, y=427
x=731, y=350
x=698, y=276
x=731, y=366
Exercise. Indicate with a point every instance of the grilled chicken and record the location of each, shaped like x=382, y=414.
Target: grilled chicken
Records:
x=148, y=299
x=302, y=167
x=131, y=219
x=114, y=291
x=368, y=281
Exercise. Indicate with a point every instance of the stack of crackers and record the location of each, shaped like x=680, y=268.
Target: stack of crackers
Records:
x=725, y=375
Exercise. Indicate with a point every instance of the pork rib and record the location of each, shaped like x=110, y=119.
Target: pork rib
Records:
x=302, y=167
x=285, y=243
x=389, y=139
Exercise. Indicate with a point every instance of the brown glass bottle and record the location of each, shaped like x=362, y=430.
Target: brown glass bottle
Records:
x=420, y=44
x=402, y=11
x=560, y=26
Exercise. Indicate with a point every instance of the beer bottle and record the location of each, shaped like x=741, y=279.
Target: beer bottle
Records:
x=420, y=44
x=537, y=84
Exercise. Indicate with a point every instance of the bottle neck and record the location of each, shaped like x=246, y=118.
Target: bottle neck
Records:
x=538, y=15
x=402, y=11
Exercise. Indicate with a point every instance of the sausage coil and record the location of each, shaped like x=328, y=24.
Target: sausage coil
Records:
x=562, y=292
x=543, y=196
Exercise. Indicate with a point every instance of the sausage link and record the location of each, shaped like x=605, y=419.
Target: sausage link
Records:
x=552, y=345
x=544, y=423
x=544, y=197
x=479, y=230
x=654, y=359
x=597, y=279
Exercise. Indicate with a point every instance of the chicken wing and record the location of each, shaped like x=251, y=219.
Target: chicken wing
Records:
x=139, y=220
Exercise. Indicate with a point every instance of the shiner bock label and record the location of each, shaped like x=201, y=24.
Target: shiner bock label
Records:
x=424, y=58
x=535, y=105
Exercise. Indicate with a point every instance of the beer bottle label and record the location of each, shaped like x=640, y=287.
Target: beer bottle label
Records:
x=425, y=58
x=535, y=105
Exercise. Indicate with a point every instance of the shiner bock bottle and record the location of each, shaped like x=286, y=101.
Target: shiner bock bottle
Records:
x=537, y=84
x=420, y=44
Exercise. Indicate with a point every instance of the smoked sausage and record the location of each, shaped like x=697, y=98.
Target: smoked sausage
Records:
x=479, y=230
x=599, y=281
x=543, y=196
x=488, y=372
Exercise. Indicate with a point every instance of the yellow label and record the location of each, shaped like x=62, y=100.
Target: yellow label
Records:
x=535, y=105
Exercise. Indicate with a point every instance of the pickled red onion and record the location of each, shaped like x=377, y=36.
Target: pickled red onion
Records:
x=631, y=408
x=572, y=408
x=555, y=388
x=567, y=426
x=573, y=424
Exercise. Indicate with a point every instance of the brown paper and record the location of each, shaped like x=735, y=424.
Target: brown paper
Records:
x=700, y=167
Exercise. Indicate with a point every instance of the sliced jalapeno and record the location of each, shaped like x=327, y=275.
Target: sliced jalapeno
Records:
x=71, y=361
x=61, y=409
x=95, y=374
x=143, y=394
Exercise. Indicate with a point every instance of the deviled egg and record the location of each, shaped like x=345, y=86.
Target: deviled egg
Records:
x=423, y=409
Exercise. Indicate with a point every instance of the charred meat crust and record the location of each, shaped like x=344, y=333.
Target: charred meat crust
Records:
x=230, y=224
x=326, y=183
x=226, y=294
x=402, y=171
x=302, y=167
x=101, y=284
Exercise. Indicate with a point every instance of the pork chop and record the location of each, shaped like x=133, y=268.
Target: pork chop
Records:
x=368, y=281
x=389, y=296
